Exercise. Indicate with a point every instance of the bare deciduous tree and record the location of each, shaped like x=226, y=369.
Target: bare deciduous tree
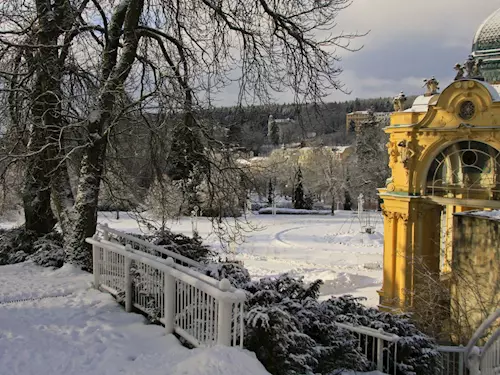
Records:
x=71, y=70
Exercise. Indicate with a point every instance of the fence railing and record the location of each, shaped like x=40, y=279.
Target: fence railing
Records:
x=485, y=360
x=452, y=360
x=200, y=309
x=377, y=346
x=109, y=234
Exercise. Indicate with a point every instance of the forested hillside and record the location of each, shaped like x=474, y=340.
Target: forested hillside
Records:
x=247, y=126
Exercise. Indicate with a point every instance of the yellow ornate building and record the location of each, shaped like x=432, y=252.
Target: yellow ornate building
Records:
x=445, y=158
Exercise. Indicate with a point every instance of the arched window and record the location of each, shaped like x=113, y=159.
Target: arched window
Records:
x=466, y=169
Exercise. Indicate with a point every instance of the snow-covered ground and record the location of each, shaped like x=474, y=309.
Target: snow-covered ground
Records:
x=330, y=248
x=54, y=323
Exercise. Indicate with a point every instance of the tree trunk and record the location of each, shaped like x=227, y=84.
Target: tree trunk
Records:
x=115, y=72
x=36, y=198
x=62, y=197
x=42, y=160
x=84, y=214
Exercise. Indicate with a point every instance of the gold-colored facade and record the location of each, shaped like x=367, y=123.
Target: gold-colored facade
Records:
x=444, y=157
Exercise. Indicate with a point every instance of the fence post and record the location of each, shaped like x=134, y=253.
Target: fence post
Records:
x=461, y=362
x=474, y=360
x=128, y=281
x=224, y=317
x=105, y=233
x=380, y=355
x=95, y=262
x=169, y=299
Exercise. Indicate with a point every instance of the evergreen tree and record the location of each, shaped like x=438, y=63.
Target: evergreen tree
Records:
x=270, y=193
x=347, y=201
x=274, y=136
x=298, y=194
x=370, y=170
x=234, y=134
x=187, y=152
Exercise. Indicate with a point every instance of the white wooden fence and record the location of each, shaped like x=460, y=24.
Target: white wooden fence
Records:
x=202, y=310
x=206, y=312
x=485, y=360
x=377, y=346
x=452, y=360
x=109, y=234
x=381, y=348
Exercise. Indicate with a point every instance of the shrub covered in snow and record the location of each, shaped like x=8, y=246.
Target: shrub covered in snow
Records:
x=16, y=245
x=234, y=272
x=416, y=353
x=293, y=333
x=190, y=247
x=49, y=250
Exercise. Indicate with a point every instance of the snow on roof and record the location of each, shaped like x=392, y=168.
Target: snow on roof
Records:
x=340, y=148
x=367, y=112
x=422, y=103
x=258, y=158
x=495, y=94
x=494, y=214
x=243, y=161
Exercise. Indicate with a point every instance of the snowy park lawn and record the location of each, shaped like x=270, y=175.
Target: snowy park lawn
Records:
x=52, y=322
x=85, y=332
x=324, y=247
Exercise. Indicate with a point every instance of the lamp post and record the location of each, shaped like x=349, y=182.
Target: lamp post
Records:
x=194, y=220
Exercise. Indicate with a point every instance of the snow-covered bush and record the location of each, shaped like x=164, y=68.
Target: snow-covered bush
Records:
x=49, y=251
x=293, y=333
x=16, y=245
x=234, y=272
x=190, y=247
x=416, y=352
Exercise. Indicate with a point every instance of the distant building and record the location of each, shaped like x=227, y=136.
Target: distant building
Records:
x=287, y=129
x=355, y=119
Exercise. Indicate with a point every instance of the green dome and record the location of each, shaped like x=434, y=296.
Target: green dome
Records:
x=486, y=46
x=488, y=35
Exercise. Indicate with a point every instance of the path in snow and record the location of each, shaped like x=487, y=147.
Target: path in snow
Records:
x=88, y=333
x=324, y=247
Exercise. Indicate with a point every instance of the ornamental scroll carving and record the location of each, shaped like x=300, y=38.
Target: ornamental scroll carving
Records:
x=390, y=215
x=392, y=149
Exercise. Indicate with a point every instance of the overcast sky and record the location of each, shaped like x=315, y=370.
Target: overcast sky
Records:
x=408, y=41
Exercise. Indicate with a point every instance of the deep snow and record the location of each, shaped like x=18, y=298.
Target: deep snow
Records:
x=86, y=332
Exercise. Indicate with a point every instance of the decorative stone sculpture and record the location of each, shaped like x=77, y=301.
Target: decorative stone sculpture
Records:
x=476, y=71
x=460, y=71
x=406, y=153
x=432, y=85
x=399, y=102
x=469, y=66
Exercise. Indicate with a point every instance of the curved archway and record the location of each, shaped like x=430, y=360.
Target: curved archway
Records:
x=466, y=170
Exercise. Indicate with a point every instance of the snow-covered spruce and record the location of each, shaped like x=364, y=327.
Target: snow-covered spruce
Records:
x=18, y=245
x=293, y=333
x=190, y=247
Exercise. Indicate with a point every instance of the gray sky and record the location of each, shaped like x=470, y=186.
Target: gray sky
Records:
x=408, y=42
